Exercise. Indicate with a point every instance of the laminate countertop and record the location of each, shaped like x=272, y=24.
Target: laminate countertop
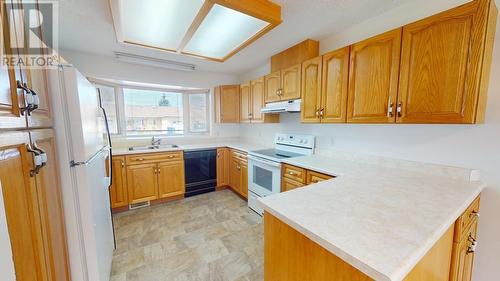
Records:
x=242, y=146
x=381, y=220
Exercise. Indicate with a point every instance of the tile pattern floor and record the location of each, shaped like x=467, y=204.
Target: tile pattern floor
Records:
x=209, y=237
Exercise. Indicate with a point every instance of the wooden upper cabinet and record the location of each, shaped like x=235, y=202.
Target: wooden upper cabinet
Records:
x=227, y=99
x=11, y=98
x=118, y=190
x=311, y=90
x=142, y=183
x=50, y=206
x=272, y=83
x=335, y=80
x=21, y=208
x=290, y=83
x=441, y=65
x=170, y=178
x=245, y=103
x=373, y=79
x=257, y=89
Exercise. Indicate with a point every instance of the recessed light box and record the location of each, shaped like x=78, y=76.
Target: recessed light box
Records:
x=211, y=29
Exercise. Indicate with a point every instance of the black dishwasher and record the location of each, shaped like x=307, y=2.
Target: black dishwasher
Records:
x=200, y=171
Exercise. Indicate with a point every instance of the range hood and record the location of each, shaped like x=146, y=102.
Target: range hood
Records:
x=282, y=106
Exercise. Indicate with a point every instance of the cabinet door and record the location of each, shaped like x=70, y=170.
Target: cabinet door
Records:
x=170, y=179
x=257, y=92
x=288, y=184
x=463, y=256
x=290, y=83
x=234, y=174
x=142, y=183
x=245, y=103
x=272, y=83
x=244, y=178
x=311, y=91
x=118, y=190
x=11, y=98
x=334, y=89
x=228, y=103
x=222, y=167
x=20, y=207
x=437, y=82
x=51, y=208
x=373, y=79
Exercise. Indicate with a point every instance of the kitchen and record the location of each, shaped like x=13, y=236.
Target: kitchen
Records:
x=202, y=148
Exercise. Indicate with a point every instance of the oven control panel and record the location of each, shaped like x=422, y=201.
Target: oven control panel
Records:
x=306, y=141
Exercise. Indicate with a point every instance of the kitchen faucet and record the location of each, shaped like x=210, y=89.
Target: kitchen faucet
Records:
x=155, y=142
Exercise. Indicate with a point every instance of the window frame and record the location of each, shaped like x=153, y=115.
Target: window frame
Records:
x=122, y=119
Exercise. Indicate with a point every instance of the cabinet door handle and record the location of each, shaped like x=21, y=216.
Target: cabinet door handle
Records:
x=400, y=109
x=474, y=214
x=321, y=112
x=122, y=163
x=390, y=109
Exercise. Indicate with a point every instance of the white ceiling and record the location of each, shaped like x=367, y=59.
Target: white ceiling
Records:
x=86, y=26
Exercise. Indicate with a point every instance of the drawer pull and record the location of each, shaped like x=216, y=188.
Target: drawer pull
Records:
x=170, y=156
x=140, y=159
x=292, y=173
x=474, y=214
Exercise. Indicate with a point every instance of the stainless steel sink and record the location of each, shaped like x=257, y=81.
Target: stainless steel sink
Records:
x=152, y=147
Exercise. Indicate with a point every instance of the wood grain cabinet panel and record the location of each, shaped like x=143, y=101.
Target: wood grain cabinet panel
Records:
x=11, y=98
x=290, y=83
x=311, y=90
x=235, y=174
x=373, y=79
x=118, y=190
x=222, y=167
x=335, y=80
x=288, y=184
x=257, y=89
x=272, y=84
x=440, y=59
x=227, y=99
x=463, y=255
x=21, y=207
x=170, y=179
x=315, y=177
x=245, y=103
x=294, y=173
x=51, y=207
x=142, y=183
x=244, y=179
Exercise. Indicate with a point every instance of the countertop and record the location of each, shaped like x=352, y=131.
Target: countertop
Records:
x=246, y=147
x=380, y=220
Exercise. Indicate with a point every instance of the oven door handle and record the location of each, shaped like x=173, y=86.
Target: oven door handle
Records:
x=267, y=162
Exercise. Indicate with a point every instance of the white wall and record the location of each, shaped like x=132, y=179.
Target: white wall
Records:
x=474, y=146
x=109, y=68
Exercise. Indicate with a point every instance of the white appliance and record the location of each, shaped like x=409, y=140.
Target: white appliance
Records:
x=282, y=106
x=83, y=150
x=264, y=166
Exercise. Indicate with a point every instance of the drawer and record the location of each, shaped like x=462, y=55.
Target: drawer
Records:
x=154, y=157
x=288, y=184
x=238, y=154
x=466, y=219
x=314, y=177
x=294, y=173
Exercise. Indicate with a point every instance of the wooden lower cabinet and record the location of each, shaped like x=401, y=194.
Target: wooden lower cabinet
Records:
x=32, y=204
x=118, y=190
x=238, y=172
x=288, y=184
x=290, y=255
x=142, y=183
x=293, y=177
x=170, y=179
x=315, y=177
x=222, y=167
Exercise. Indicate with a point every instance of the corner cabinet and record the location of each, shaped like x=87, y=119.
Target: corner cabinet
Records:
x=373, y=79
x=227, y=99
x=443, y=59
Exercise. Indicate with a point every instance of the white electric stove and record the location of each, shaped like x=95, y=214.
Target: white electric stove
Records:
x=264, y=166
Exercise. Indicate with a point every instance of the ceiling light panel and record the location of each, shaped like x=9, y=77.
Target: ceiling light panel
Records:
x=222, y=31
x=157, y=23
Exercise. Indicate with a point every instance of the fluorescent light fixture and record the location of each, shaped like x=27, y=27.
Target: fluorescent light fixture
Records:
x=222, y=31
x=210, y=29
x=157, y=23
x=137, y=59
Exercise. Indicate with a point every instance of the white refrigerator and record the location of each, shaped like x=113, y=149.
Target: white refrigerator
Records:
x=84, y=152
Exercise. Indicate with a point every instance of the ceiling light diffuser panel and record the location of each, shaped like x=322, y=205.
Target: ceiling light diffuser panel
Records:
x=211, y=29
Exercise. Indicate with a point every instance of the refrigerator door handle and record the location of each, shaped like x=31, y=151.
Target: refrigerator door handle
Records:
x=74, y=163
